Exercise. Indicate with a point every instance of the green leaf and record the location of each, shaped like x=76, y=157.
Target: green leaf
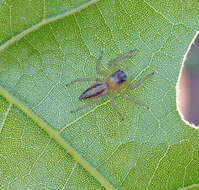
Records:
x=44, y=45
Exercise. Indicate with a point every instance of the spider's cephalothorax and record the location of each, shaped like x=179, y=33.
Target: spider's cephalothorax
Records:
x=114, y=82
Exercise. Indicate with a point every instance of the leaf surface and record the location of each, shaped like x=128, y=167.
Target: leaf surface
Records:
x=45, y=45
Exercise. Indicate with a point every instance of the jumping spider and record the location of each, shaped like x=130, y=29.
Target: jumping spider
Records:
x=114, y=82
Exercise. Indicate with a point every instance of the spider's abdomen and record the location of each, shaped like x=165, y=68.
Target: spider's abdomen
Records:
x=94, y=91
x=115, y=80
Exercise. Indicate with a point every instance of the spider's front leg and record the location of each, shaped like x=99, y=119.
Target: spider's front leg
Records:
x=135, y=85
x=98, y=70
x=112, y=99
x=114, y=62
x=124, y=95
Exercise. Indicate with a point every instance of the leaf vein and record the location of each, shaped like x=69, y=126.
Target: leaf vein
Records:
x=5, y=117
x=42, y=23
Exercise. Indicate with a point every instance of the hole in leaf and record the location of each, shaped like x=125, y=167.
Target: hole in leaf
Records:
x=188, y=85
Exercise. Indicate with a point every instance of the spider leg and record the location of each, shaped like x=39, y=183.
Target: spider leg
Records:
x=112, y=99
x=135, y=85
x=98, y=70
x=88, y=104
x=124, y=56
x=82, y=80
x=134, y=100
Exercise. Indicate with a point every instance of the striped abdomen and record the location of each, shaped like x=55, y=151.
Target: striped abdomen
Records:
x=94, y=91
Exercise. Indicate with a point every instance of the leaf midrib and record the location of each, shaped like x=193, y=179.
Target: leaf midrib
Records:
x=54, y=134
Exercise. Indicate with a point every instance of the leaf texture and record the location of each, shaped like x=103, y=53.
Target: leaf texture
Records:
x=46, y=44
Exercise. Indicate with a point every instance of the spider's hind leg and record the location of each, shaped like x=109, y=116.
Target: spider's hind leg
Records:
x=83, y=80
x=88, y=104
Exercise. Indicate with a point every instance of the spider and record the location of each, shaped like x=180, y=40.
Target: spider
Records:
x=115, y=83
